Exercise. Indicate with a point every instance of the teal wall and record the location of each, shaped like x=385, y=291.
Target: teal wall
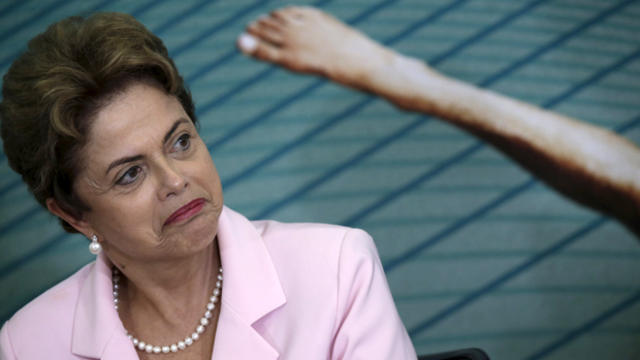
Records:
x=477, y=252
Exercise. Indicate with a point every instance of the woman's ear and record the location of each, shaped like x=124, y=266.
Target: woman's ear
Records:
x=78, y=224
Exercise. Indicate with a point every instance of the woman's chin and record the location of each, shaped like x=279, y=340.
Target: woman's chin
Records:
x=194, y=234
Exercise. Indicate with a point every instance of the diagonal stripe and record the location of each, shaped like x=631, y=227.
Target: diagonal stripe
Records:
x=229, y=55
x=475, y=295
x=10, y=187
x=450, y=162
x=368, y=151
x=206, y=33
x=500, y=280
x=186, y=13
x=21, y=218
x=477, y=36
x=441, y=235
x=628, y=125
x=46, y=246
x=137, y=12
x=95, y=8
x=32, y=20
x=457, y=225
x=474, y=148
x=11, y=7
x=8, y=313
x=146, y=7
x=304, y=92
x=206, y=107
x=263, y=75
x=7, y=60
x=561, y=39
x=298, y=141
x=588, y=326
x=424, y=22
x=391, y=264
x=209, y=67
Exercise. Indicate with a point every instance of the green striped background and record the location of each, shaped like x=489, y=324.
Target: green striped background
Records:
x=477, y=253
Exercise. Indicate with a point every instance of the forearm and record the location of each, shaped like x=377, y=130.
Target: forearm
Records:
x=589, y=164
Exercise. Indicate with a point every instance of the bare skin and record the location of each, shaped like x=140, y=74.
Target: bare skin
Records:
x=590, y=165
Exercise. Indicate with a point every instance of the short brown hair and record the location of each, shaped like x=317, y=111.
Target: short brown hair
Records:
x=55, y=88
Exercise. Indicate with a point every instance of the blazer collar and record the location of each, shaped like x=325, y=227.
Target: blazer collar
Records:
x=251, y=284
x=250, y=291
x=97, y=329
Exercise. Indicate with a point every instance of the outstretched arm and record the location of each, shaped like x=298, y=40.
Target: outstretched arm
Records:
x=586, y=163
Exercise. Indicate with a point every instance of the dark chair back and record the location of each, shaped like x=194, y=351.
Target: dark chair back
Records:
x=463, y=354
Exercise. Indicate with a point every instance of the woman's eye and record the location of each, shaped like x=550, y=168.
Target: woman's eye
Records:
x=183, y=143
x=129, y=176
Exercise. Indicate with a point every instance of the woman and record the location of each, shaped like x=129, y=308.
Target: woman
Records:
x=97, y=121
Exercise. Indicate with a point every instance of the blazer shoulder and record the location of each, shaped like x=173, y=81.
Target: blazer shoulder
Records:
x=313, y=238
x=315, y=245
x=50, y=315
x=272, y=230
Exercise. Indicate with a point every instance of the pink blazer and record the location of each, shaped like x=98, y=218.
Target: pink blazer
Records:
x=291, y=291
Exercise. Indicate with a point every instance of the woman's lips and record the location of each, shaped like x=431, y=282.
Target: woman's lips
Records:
x=186, y=212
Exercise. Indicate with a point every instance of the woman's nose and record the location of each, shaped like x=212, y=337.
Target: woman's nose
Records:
x=172, y=180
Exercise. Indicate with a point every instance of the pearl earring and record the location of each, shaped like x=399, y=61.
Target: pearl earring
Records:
x=95, y=246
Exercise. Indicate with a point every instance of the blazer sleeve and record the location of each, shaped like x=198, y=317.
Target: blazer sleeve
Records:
x=6, y=349
x=368, y=324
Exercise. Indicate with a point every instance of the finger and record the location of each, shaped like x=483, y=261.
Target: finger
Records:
x=265, y=33
x=280, y=16
x=257, y=48
x=270, y=23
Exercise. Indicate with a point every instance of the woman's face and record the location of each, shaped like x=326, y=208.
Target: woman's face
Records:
x=149, y=180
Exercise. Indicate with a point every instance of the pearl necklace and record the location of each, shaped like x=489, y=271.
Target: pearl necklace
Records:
x=182, y=344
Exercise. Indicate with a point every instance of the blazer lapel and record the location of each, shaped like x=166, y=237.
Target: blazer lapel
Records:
x=119, y=347
x=97, y=330
x=235, y=339
x=251, y=290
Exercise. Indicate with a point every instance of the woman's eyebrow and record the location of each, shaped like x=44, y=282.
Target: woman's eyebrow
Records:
x=123, y=160
x=173, y=128
x=167, y=136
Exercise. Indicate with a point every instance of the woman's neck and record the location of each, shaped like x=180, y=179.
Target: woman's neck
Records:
x=160, y=301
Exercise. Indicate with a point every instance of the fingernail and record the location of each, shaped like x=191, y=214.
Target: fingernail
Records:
x=247, y=43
